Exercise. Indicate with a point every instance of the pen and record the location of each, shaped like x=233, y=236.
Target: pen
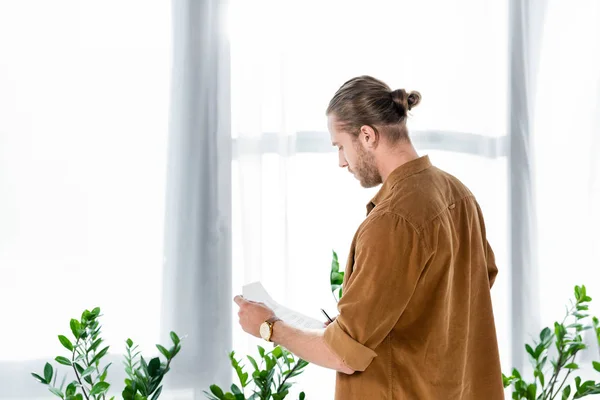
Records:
x=327, y=316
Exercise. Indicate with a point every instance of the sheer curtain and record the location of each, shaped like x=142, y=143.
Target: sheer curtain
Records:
x=291, y=203
x=84, y=102
x=566, y=145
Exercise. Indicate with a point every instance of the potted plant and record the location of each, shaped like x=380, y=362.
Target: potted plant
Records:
x=558, y=378
x=271, y=379
x=85, y=353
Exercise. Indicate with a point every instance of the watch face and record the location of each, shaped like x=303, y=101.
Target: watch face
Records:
x=265, y=331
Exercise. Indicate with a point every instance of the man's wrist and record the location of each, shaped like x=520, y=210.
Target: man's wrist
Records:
x=279, y=330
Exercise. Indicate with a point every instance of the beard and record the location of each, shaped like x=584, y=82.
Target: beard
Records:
x=365, y=169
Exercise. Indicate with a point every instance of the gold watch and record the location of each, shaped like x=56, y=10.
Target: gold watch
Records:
x=266, y=328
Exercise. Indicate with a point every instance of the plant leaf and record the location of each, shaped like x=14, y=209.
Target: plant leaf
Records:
x=157, y=393
x=566, y=392
x=63, y=361
x=48, y=373
x=95, y=345
x=71, y=389
x=65, y=342
x=175, y=338
x=253, y=362
x=98, y=356
x=88, y=371
x=76, y=328
x=164, y=351
x=39, y=378
x=217, y=391
x=57, y=392
x=99, y=388
x=596, y=365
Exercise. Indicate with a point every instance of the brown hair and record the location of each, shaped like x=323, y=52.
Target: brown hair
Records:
x=365, y=100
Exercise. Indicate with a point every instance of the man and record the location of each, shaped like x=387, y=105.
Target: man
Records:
x=415, y=320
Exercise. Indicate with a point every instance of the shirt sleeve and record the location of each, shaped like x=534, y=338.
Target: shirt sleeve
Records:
x=388, y=260
x=490, y=259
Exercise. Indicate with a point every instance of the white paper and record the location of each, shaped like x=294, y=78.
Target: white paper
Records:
x=256, y=292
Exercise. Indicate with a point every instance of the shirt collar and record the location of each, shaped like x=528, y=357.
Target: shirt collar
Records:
x=399, y=174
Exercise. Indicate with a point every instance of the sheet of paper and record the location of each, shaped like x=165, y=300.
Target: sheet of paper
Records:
x=256, y=292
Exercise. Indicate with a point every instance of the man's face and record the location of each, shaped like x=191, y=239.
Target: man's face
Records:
x=353, y=154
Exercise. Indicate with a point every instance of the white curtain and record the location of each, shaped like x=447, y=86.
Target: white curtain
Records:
x=292, y=205
x=566, y=143
x=84, y=104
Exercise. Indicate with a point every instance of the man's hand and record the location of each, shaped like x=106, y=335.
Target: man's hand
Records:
x=329, y=322
x=252, y=315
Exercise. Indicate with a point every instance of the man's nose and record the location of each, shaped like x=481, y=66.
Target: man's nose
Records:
x=342, y=161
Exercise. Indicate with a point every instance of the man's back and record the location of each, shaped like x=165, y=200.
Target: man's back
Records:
x=416, y=314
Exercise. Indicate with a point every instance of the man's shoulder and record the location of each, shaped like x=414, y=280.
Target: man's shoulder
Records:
x=420, y=198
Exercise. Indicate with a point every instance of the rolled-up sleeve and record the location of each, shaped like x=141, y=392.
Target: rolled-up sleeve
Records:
x=389, y=258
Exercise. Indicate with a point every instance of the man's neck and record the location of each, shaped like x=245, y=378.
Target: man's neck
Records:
x=397, y=157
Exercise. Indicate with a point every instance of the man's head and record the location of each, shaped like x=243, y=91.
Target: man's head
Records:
x=367, y=122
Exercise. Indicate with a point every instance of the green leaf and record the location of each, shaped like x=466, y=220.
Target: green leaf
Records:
x=56, y=392
x=164, y=351
x=532, y=391
x=156, y=394
x=76, y=328
x=154, y=367
x=596, y=365
x=65, y=342
x=63, y=361
x=302, y=396
x=95, y=345
x=530, y=351
x=253, y=362
x=277, y=352
x=572, y=366
x=175, y=338
x=39, y=378
x=71, y=389
x=217, y=391
x=337, y=278
x=335, y=265
x=516, y=373
x=261, y=351
x=99, y=388
x=48, y=373
x=98, y=356
x=104, y=373
x=88, y=371
x=129, y=343
x=545, y=335
x=566, y=392
x=175, y=350
x=235, y=390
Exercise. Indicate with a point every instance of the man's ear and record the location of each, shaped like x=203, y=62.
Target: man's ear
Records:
x=369, y=136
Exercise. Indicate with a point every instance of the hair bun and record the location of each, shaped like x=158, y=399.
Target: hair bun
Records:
x=406, y=101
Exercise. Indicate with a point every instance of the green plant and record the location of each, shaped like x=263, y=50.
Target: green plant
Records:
x=271, y=379
x=549, y=380
x=85, y=357
x=336, y=278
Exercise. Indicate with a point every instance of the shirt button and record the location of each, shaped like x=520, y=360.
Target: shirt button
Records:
x=452, y=206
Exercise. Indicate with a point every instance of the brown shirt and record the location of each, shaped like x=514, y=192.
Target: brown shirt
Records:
x=415, y=320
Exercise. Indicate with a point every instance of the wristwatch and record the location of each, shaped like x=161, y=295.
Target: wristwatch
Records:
x=266, y=328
